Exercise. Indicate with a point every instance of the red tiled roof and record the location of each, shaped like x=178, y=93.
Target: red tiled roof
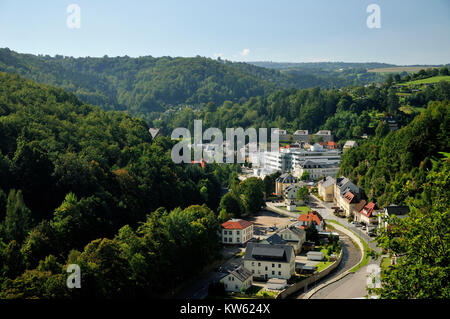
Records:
x=309, y=217
x=348, y=197
x=236, y=224
x=368, y=209
x=360, y=205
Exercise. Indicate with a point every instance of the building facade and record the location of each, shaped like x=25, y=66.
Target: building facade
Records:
x=236, y=232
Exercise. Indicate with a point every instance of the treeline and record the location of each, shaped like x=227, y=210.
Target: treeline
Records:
x=71, y=174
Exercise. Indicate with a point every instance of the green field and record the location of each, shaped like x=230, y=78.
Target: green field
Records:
x=434, y=79
x=400, y=69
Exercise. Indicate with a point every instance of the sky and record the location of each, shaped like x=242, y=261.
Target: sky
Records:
x=410, y=32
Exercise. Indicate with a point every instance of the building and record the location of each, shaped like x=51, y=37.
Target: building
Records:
x=392, y=210
x=283, y=181
x=238, y=279
x=341, y=187
x=312, y=219
x=323, y=135
x=293, y=236
x=350, y=144
x=301, y=136
x=316, y=170
x=325, y=188
x=349, y=201
x=276, y=284
x=236, y=232
x=368, y=214
x=286, y=159
x=282, y=134
x=270, y=261
x=274, y=239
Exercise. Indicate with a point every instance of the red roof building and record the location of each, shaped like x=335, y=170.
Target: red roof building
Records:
x=368, y=209
x=307, y=219
x=236, y=224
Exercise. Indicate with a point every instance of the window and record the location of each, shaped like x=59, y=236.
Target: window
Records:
x=238, y=232
x=259, y=264
x=279, y=273
x=273, y=272
x=273, y=265
x=225, y=239
x=238, y=239
x=266, y=267
x=253, y=263
x=279, y=265
x=253, y=271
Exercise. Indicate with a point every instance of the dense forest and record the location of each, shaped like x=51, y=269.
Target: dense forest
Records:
x=72, y=175
x=146, y=84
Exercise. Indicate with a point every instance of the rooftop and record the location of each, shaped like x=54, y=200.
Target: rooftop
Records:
x=236, y=224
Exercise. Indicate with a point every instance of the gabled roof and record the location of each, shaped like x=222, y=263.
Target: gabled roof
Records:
x=360, y=205
x=397, y=210
x=348, y=197
x=287, y=178
x=241, y=273
x=275, y=240
x=236, y=224
x=311, y=217
x=368, y=209
x=258, y=251
x=327, y=181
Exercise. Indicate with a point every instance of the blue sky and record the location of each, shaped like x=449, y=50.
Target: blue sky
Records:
x=412, y=32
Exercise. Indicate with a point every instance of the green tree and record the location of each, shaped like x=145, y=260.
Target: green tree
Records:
x=18, y=220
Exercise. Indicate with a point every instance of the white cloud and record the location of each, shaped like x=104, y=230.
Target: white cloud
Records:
x=245, y=52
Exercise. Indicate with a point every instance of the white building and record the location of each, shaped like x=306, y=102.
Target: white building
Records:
x=301, y=136
x=350, y=144
x=236, y=231
x=237, y=279
x=294, y=236
x=317, y=169
x=267, y=261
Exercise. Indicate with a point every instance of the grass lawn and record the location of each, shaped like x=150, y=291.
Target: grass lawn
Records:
x=398, y=69
x=385, y=263
x=407, y=109
x=433, y=79
x=300, y=209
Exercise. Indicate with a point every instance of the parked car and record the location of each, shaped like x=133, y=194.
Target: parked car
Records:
x=363, y=227
x=293, y=219
x=372, y=234
x=358, y=224
x=354, y=222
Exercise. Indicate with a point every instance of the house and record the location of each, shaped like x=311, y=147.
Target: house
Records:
x=283, y=181
x=348, y=202
x=276, y=284
x=323, y=135
x=290, y=195
x=301, y=136
x=329, y=145
x=270, y=261
x=325, y=188
x=312, y=219
x=236, y=231
x=368, y=214
x=274, y=239
x=350, y=144
x=316, y=169
x=315, y=255
x=293, y=236
x=392, y=210
x=237, y=279
x=341, y=187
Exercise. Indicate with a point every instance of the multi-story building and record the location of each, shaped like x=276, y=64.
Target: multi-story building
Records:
x=267, y=261
x=236, y=232
x=301, y=136
x=323, y=135
x=325, y=188
x=316, y=170
x=237, y=279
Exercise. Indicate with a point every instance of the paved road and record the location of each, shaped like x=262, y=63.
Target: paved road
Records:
x=350, y=259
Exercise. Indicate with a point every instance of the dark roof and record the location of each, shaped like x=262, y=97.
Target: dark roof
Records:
x=241, y=273
x=257, y=251
x=287, y=178
x=397, y=210
x=275, y=240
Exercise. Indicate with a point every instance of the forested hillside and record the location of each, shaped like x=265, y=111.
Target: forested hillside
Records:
x=72, y=175
x=347, y=112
